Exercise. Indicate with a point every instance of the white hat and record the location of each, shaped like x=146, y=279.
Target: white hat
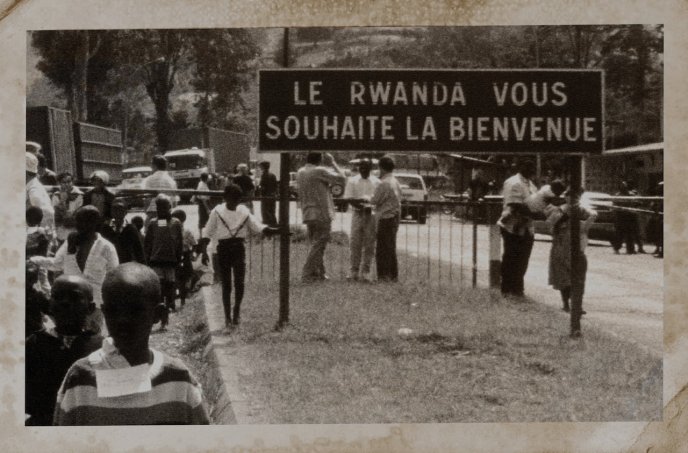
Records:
x=33, y=147
x=31, y=163
x=102, y=175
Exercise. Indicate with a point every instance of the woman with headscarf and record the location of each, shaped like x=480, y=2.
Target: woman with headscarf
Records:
x=100, y=196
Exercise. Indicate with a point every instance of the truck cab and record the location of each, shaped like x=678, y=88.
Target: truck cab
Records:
x=186, y=166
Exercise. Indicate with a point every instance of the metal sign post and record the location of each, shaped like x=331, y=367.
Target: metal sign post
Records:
x=284, y=220
x=577, y=271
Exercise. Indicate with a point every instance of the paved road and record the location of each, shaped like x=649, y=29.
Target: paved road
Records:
x=624, y=293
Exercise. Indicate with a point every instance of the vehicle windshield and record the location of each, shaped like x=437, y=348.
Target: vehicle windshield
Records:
x=135, y=175
x=410, y=182
x=185, y=162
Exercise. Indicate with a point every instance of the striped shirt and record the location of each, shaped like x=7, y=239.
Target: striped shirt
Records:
x=174, y=399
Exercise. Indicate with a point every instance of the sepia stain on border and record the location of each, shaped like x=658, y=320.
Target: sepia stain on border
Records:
x=8, y=9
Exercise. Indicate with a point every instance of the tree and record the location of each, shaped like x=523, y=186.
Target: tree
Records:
x=75, y=61
x=223, y=60
x=210, y=62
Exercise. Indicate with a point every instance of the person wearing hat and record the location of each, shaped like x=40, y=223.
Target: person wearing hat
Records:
x=33, y=147
x=36, y=195
x=99, y=196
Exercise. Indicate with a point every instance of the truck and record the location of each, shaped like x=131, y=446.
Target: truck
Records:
x=204, y=150
x=73, y=146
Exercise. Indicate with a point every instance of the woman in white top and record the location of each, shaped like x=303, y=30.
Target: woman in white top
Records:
x=229, y=224
x=87, y=254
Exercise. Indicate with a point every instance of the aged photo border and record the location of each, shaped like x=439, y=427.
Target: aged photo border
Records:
x=560, y=437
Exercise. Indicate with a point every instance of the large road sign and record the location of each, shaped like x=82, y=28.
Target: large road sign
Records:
x=492, y=111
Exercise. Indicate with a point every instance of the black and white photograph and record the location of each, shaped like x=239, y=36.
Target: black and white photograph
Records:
x=344, y=225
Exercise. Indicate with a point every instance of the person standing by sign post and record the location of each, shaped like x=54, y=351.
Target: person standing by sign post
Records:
x=363, y=226
x=313, y=182
x=387, y=203
x=268, y=189
x=517, y=229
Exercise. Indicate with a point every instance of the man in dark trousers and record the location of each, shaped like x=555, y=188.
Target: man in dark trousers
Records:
x=517, y=231
x=387, y=204
x=268, y=188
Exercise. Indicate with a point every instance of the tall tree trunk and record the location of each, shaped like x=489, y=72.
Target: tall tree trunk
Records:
x=80, y=77
x=159, y=88
x=642, y=50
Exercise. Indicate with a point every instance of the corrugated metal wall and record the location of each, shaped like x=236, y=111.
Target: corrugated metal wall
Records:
x=98, y=148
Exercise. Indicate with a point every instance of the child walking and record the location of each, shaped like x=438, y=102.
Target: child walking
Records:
x=560, y=253
x=185, y=268
x=163, y=248
x=229, y=225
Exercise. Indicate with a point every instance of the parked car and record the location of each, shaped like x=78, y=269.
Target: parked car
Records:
x=413, y=189
x=132, y=178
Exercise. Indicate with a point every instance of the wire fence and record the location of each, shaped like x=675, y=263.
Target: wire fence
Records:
x=442, y=243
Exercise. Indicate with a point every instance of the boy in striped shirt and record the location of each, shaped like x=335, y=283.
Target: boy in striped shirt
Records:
x=125, y=382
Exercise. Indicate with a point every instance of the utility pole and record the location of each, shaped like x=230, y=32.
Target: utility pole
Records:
x=284, y=217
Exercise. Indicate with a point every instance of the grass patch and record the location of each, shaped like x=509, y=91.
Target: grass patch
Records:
x=463, y=355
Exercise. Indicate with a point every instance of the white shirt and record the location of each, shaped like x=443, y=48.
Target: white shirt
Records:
x=36, y=195
x=204, y=187
x=101, y=259
x=359, y=187
x=516, y=190
x=216, y=230
x=159, y=180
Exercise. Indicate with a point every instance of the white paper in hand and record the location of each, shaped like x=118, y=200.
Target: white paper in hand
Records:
x=123, y=381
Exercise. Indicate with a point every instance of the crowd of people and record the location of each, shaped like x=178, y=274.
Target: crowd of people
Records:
x=96, y=285
x=97, y=282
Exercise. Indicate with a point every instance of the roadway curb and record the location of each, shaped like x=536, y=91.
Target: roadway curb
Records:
x=231, y=405
x=221, y=410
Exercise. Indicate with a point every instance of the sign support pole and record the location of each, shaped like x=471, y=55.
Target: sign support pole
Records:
x=576, y=252
x=284, y=219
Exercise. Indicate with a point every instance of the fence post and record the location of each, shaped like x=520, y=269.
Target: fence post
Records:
x=475, y=212
x=495, y=257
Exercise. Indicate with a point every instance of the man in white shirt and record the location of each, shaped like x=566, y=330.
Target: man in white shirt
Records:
x=517, y=229
x=158, y=180
x=362, y=187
